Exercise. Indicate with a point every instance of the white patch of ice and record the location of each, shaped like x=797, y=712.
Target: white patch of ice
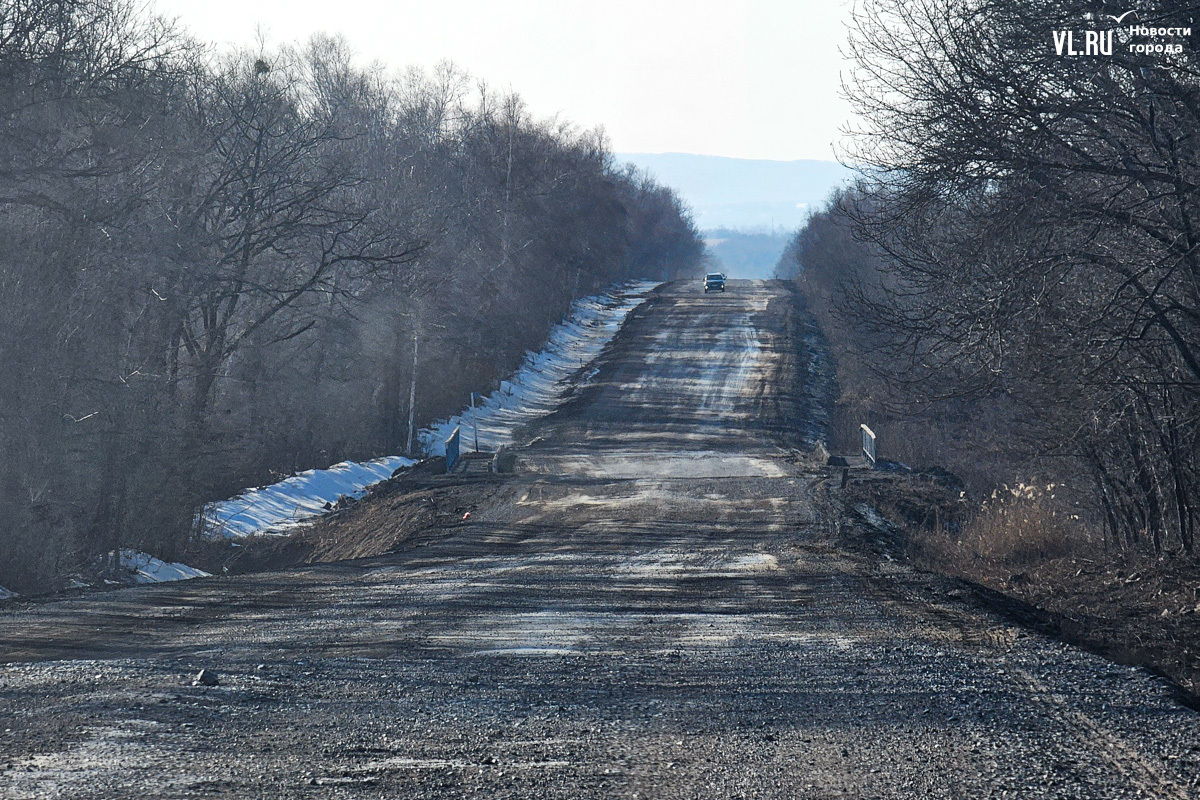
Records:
x=874, y=518
x=404, y=762
x=660, y=564
x=281, y=506
x=5, y=594
x=539, y=386
x=528, y=651
x=148, y=569
x=755, y=562
x=662, y=464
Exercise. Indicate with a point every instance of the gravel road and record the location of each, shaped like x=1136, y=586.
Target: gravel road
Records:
x=650, y=606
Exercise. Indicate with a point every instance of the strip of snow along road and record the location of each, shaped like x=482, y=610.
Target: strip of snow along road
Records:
x=539, y=386
x=148, y=569
x=277, y=508
x=535, y=390
x=5, y=594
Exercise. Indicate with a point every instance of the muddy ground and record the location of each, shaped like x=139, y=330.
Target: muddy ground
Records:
x=656, y=603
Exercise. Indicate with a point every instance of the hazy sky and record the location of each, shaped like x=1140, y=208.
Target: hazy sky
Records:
x=741, y=78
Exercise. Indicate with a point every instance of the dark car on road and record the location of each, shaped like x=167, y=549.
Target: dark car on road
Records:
x=714, y=282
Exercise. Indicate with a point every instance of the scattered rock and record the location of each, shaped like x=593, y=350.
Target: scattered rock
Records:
x=206, y=677
x=504, y=461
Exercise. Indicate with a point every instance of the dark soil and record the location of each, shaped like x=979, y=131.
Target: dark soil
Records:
x=418, y=504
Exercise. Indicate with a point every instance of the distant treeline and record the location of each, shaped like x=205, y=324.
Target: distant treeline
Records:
x=216, y=269
x=745, y=253
x=1013, y=290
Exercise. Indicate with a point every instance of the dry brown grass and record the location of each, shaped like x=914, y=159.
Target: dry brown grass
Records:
x=1016, y=529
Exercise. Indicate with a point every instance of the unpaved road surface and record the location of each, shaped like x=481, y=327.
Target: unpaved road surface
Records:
x=650, y=607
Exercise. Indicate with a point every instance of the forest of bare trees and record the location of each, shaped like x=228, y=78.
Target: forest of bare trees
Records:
x=1014, y=286
x=215, y=266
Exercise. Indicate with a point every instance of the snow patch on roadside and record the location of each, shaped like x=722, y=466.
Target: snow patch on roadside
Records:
x=277, y=508
x=5, y=594
x=535, y=390
x=148, y=569
x=539, y=386
x=876, y=520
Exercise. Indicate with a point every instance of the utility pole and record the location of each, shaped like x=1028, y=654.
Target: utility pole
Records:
x=475, y=422
x=412, y=387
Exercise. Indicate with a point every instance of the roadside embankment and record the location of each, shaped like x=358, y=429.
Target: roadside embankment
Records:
x=1129, y=608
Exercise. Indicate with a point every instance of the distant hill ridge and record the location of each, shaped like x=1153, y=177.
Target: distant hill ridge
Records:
x=743, y=192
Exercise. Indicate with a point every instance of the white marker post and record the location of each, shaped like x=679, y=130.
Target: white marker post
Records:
x=868, y=445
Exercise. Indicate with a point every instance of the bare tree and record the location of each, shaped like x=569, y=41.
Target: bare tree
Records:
x=1036, y=217
x=214, y=264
